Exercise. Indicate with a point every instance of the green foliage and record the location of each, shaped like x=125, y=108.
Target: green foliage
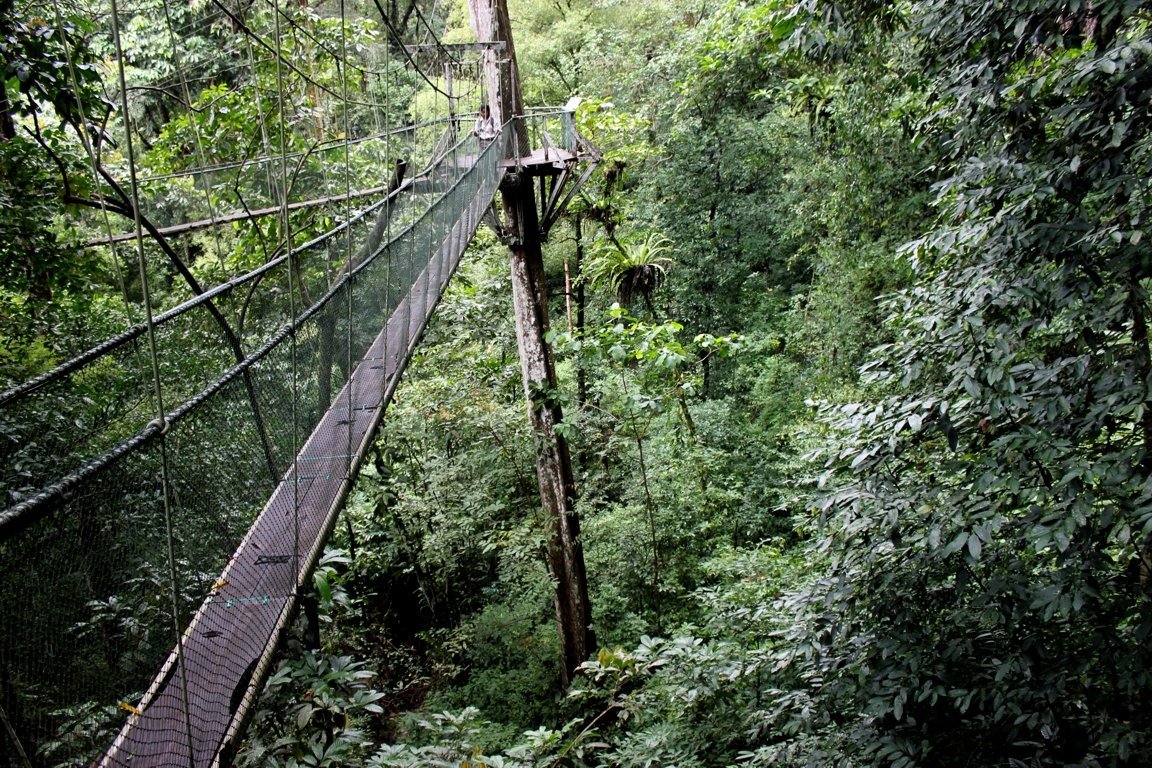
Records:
x=984, y=517
x=317, y=697
x=48, y=83
x=509, y=650
x=38, y=263
x=972, y=585
x=603, y=50
x=621, y=136
x=653, y=353
x=453, y=740
x=86, y=730
x=628, y=269
x=48, y=64
x=684, y=701
x=981, y=534
x=446, y=524
x=316, y=705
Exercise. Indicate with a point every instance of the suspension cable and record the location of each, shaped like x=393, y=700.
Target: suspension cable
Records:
x=166, y=480
x=273, y=158
x=287, y=235
x=196, y=137
x=348, y=237
x=281, y=62
x=400, y=44
x=432, y=33
x=320, y=43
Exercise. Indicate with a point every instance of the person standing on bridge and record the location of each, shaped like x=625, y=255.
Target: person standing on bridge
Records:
x=485, y=129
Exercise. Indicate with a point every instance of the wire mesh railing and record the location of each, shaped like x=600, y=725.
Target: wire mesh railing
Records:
x=122, y=525
x=551, y=128
x=52, y=425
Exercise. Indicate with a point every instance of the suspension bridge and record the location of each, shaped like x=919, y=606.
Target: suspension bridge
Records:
x=171, y=489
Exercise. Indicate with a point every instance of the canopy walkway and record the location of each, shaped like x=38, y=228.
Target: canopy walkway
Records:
x=192, y=705
x=182, y=544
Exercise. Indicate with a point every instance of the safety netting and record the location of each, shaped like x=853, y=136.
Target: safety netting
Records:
x=149, y=565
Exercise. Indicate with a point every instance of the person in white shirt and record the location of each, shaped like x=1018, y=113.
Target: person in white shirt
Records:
x=485, y=129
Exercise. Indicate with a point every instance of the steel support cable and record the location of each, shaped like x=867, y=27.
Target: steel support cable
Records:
x=216, y=77
x=27, y=511
x=348, y=240
x=286, y=231
x=379, y=116
x=326, y=146
x=244, y=215
x=400, y=44
x=148, y=9
x=166, y=480
x=281, y=61
x=424, y=39
x=196, y=137
x=32, y=385
x=163, y=87
x=321, y=44
x=376, y=121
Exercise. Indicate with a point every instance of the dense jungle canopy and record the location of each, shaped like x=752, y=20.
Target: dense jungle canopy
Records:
x=852, y=333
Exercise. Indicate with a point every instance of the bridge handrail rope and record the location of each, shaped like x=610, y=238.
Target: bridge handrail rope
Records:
x=396, y=38
x=150, y=727
x=321, y=45
x=61, y=489
x=538, y=118
x=326, y=146
x=235, y=216
x=127, y=493
x=398, y=280
x=130, y=334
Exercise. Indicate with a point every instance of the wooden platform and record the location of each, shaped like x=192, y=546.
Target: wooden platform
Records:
x=550, y=160
x=193, y=711
x=547, y=161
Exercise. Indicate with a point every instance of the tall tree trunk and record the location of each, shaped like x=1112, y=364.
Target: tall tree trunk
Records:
x=490, y=22
x=553, y=461
x=581, y=373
